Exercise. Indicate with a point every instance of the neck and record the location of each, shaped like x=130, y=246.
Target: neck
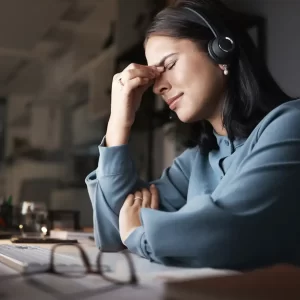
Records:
x=217, y=124
x=216, y=119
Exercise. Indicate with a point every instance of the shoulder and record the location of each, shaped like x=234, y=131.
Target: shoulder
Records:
x=288, y=108
x=284, y=120
x=186, y=159
x=188, y=155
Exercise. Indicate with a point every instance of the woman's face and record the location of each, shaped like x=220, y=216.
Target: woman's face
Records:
x=192, y=84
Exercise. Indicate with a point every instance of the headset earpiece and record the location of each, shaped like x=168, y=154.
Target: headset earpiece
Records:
x=222, y=47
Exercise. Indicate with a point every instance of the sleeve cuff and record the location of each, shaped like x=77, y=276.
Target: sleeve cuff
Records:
x=113, y=160
x=136, y=242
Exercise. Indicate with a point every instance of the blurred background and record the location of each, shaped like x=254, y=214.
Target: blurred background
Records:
x=57, y=59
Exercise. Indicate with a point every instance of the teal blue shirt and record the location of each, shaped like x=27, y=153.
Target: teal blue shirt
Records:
x=237, y=208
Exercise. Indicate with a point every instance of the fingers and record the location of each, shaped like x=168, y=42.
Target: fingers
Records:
x=143, y=69
x=142, y=198
x=154, y=197
x=144, y=72
x=129, y=201
x=132, y=83
x=136, y=82
x=137, y=75
x=146, y=198
x=138, y=198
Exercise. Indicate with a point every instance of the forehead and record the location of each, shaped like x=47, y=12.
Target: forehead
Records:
x=159, y=46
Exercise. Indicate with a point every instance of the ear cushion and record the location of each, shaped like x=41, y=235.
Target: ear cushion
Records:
x=212, y=52
x=219, y=55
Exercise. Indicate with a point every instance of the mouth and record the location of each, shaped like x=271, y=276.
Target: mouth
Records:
x=173, y=101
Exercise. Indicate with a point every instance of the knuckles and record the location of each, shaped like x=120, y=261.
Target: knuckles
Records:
x=132, y=66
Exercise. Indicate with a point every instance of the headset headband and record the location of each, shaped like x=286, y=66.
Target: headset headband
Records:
x=222, y=47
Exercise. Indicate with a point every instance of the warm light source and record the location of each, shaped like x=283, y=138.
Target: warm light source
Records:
x=44, y=230
x=21, y=229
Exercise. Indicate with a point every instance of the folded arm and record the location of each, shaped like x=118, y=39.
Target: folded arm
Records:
x=116, y=177
x=252, y=217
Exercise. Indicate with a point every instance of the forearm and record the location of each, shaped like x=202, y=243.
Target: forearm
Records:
x=116, y=177
x=106, y=230
x=116, y=174
x=206, y=236
x=116, y=134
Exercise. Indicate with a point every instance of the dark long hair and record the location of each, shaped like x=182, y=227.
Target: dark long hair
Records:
x=251, y=92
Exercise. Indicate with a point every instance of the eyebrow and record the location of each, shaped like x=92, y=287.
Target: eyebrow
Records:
x=161, y=62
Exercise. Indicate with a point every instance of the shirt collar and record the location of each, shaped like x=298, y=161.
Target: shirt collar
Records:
x=221, y=139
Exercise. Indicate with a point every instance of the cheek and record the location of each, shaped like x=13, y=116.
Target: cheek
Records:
x=198, y=82
x=209, y=82
x=181, y=75
x=177, y=78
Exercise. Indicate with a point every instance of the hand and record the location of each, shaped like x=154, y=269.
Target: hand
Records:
x=129, y=217
x=128, y=88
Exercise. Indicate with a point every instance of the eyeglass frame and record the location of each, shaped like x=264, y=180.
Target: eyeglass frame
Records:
x=88, y=266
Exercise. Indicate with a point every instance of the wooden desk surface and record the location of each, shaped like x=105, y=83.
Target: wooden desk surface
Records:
x=280, y=282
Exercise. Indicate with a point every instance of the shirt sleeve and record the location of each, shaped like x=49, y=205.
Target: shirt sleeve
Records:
x=116, y=177
x=251, y=219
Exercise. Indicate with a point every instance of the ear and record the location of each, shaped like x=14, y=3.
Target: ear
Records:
x=224, y=68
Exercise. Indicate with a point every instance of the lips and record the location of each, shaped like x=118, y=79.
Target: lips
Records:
x=172, y=101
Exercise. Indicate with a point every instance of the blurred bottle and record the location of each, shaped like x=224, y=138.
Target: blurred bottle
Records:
x=6, y=213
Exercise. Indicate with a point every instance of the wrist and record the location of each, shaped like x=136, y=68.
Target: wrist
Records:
x=117, y=134
x=128, y=233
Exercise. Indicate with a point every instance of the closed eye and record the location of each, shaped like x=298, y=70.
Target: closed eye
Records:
x=171, y=65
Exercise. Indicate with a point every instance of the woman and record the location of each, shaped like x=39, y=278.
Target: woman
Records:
x=231, y=199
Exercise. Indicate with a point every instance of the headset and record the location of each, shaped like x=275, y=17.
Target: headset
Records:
x=222, y=47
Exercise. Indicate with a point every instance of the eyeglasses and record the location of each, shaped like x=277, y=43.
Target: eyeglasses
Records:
x=100, y=268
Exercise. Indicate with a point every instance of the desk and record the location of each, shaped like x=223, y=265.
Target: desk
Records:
x=148, y=274
x=278, y=282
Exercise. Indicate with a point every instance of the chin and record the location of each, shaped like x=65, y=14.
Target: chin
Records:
x=186, y=118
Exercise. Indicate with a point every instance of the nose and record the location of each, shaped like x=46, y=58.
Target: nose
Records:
x=161, y=86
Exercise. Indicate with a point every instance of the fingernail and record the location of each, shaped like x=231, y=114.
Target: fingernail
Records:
x=152, y=186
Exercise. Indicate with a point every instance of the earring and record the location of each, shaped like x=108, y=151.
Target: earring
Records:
x=225, y=70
